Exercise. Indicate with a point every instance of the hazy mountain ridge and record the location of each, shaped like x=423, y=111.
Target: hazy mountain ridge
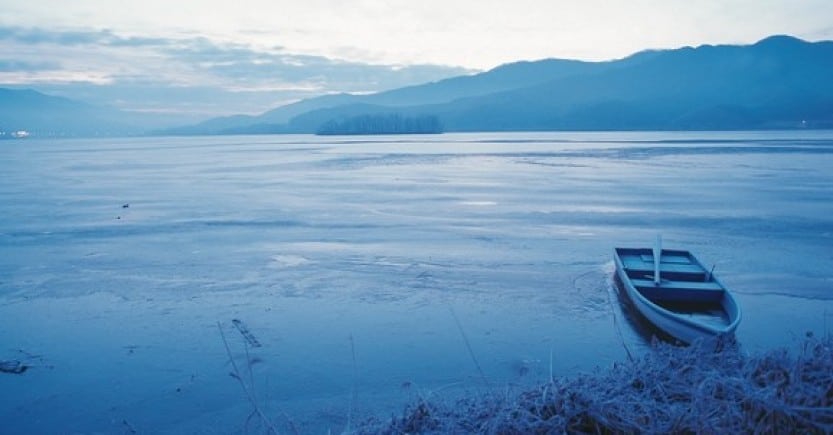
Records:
x=778, y=82
x=30, y=110
x=45, y=115
x=281, y=119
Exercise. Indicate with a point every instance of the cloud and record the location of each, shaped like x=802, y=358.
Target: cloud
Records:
x=36, y=36
x=256, y=68
x=7, y=65
x=242, y=66
x=142, y=72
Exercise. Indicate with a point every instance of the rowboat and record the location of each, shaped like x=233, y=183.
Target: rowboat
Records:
x=673, y=290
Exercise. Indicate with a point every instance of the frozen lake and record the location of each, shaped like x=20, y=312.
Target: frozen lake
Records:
x=360, y=264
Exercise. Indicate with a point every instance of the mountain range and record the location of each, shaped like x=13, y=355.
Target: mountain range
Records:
x=778, y=82
x=51, y=116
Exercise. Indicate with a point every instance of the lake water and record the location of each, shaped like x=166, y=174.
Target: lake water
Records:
x=374, y=270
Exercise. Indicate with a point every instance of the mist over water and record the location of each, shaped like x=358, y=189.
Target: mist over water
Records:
x=348, y=258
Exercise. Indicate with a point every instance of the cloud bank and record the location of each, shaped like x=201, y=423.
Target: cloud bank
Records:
x=194, y=74
x=251, y=55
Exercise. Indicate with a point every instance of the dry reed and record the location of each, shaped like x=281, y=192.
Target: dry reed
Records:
x=699, y=389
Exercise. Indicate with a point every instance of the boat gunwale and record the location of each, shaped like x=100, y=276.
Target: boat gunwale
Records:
x=727, y=302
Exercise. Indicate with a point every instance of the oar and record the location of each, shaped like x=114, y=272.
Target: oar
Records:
x=657, y=255
x=711, y=272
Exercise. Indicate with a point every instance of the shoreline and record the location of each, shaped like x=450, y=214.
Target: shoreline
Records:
x=670, y=390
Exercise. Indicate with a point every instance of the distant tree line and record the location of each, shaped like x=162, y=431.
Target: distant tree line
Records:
x=389, y=123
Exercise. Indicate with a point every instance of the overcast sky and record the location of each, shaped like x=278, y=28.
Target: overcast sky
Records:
x=252, y=55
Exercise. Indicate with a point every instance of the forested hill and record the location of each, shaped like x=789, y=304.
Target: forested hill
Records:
x=382, y=124
x=779, y=82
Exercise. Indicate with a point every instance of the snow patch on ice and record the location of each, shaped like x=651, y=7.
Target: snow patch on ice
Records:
x=289, y=260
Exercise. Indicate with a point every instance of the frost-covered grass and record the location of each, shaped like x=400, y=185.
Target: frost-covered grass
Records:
x=671, y=389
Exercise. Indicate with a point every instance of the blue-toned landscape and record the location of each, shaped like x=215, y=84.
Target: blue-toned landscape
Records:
x=360, y=273
x=778, y=82
x=433, y=217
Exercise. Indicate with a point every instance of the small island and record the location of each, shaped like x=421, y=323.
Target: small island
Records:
x=388, y=123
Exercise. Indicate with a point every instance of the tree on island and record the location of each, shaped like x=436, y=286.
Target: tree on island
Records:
x=390, y=123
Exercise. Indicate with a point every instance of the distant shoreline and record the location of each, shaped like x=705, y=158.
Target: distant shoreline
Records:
x=35, y=136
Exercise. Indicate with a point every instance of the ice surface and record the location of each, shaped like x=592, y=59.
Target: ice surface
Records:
x=311, y=241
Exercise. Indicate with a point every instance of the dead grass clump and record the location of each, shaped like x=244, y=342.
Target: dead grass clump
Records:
x=672, y=389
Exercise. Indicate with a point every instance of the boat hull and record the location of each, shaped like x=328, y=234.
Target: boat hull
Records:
x=688, y=304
